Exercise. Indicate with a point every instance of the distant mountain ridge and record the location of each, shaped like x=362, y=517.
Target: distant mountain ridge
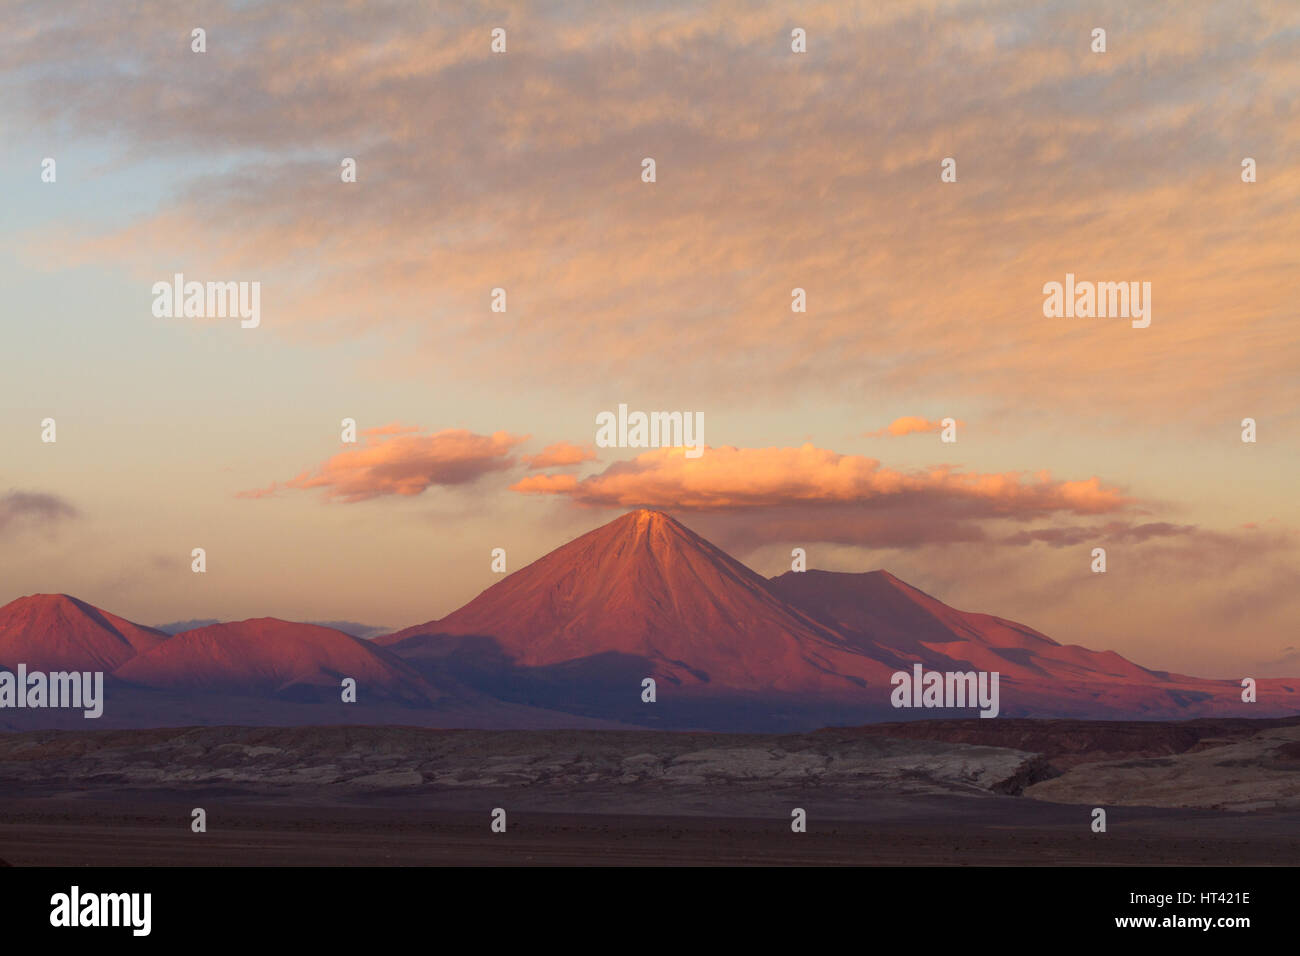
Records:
x=270, y=657
x=572, y=636
x=364, y=631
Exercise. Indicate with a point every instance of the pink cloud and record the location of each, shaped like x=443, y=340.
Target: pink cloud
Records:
x=1113, y=531
x=907, y=425
x=546, y=485
x=738, y=479
x=393, y=428
x=560, y=453
x=394, y=461
x=522, y=177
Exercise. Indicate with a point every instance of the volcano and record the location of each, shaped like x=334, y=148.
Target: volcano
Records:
x=643, y=596
x=645, y=587
x=888, y=618
x=283, y=659
x=55, y=631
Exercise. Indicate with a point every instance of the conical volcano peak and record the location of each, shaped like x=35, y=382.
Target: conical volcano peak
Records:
x=646, y=528
x=58, y=630
x=645, y=589
x=643, y=518
x=50, y=602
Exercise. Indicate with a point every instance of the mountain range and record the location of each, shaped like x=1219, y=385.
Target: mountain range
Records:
x=569, y=639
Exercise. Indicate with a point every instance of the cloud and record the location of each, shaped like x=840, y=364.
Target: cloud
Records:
x=810, y=493
x=905, y=525
x=560, y=453
x=907, y=425
x=775, y=170
x=393, y=461
x=393, y=428
x=546, y=485
x=33, y=509
x=1111, y=531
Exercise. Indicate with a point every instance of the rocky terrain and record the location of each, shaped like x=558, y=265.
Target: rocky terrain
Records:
x=1068, y=743
x=1238, y=772
x=1219, y=764
x=989, y=792
x=327, y=763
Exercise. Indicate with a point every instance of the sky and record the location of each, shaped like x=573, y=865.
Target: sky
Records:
x=774, y=170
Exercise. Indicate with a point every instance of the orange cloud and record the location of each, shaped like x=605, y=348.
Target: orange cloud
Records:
x=546, y=485
x=733, y=479
x=560, y=453
x=907, y=425
x=394, y=428
x=393, y=461
x=520, y=179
